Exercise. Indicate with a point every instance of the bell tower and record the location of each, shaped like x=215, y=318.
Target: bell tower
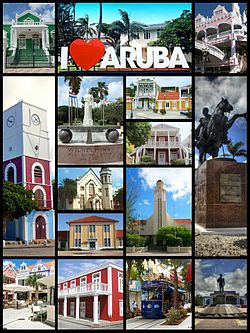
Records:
x=159, y=205
x=106, y=180
x=26, y=161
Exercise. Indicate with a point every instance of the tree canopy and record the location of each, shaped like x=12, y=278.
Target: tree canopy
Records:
x=138, y=133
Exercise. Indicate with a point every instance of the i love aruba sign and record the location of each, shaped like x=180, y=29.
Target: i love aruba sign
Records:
x=87, y=54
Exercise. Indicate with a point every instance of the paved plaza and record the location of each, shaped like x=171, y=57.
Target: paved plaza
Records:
x=29, y=251
x=158, y=254
x=20, y=319
x=29, y=70
x=91, y=253
x=140, y=323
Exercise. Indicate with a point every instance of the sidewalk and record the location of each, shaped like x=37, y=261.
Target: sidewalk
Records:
x=19, y=319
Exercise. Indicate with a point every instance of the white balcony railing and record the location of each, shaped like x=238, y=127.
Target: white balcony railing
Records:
x=164, y=144
x=86, y=289
x=27, y=23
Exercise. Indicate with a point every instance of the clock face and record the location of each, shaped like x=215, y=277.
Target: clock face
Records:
x=35, y=119
x=10, y=121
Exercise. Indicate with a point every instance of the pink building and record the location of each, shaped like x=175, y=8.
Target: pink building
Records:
x=95, y=294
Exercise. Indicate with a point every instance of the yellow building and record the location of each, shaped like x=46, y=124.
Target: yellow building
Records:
x=94, y=233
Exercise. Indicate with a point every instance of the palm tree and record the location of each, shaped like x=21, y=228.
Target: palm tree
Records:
x=103, y=92
x=100, y=21
x=74, y=83
x=126, y=27
x=67, y=191
x=235, y=149
x=84, y=28
x=32, y=281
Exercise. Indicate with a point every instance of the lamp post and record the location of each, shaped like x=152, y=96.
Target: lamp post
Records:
x=132, y=92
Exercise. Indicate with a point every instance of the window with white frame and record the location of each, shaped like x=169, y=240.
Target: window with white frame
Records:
x=121, y=308
x=77, y=242
x=65, y=285
x=106, y=228
x=107, y=242
x=77, y=229
x=120, y=282
x=187, y=104
x=83, y=280
x=92, y=228
x=73, y=284
x=147, y=34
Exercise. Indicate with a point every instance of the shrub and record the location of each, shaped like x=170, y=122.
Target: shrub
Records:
x=134, y=240
x=172, y=316
x=183, y=312
x=146, y=160
x=171, y=240
x=178, y=161
x=163, y=111
x=155, y=110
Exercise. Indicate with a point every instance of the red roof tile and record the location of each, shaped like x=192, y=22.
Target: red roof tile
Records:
x=119, y=233
x=92, y=219
x=183, y=221
x=168, y=95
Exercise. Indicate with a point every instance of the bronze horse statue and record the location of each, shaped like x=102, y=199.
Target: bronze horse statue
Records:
x=211, y=133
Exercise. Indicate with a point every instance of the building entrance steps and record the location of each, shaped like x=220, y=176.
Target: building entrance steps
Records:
x=221, y=311
x=220, y=231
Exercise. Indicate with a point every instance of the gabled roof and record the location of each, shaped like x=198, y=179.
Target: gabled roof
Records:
x=169, y=95
x=92, y=218
x=88, y=171
x=119, y=233
x=164, y=126
x=183, y=221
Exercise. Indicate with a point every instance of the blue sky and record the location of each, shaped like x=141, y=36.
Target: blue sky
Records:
x=114, y=83
x=208, y=93
x=17, y=262
x=46, y=9
x=63, y=218
x=206, y=9
x=178, y=184
x=207, y=271
x=148, y=13
x=70, y=267
x=73, y=173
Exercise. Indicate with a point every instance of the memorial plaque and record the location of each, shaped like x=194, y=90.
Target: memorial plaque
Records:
x=230, y=187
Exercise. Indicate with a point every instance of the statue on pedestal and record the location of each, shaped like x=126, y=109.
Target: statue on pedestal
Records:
x=88, y=119
x=221, y=283
x=212, y=131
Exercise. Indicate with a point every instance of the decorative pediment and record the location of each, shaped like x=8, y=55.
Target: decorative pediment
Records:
x=28, y=15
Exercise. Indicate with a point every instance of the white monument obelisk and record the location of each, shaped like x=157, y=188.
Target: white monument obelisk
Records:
x=88, y=119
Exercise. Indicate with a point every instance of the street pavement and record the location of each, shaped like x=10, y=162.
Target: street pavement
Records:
x=148, y=114
x=140, y=323
x=20, y=319
x=29, y=251
x=91, y=253
x=83, y=324
x=158, y=254
x=31, y=70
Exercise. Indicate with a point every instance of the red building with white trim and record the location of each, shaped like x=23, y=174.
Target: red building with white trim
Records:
x=94, y=294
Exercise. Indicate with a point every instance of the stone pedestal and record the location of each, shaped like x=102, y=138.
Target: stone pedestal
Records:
x=221, y=194
x=90, y=154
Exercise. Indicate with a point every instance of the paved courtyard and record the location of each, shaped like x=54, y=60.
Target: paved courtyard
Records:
x=29, y=251
x=158, y=254
x=148, y=114
x=70, y=323
x=19, y=319
x=30, y=70
x=91, y=253
x=220, y=324
x=140, y=323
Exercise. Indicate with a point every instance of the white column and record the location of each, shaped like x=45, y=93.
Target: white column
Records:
x=205, y=35
x=233, y=48
x=181, y=155
x=43, y=41
x=95, y=309
x=47, y=37
x=218, y=34
x=110, y=301
x=155, y=146
x=65, y=307
x=77, y=306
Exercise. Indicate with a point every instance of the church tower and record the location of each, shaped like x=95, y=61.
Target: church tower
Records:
x=26, y=161
x=160, y=205
x=106, y=180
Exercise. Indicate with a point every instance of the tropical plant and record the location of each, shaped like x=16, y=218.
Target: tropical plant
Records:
x=235, y=149
x=32, y=281
x=100, y=21
x=138, y=133
x=66, y=24
x=67, y=190
x=103, y=92
x=84, y=28
x=134, y=240
x=17, y=202
x=74, y=83
x=146, y=160
x=130, y=29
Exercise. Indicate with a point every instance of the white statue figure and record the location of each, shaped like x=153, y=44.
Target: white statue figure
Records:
x=87, y=119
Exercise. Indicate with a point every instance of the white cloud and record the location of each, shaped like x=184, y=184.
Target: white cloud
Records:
x=162, y=81
x=146, y=202
x=208, y=93
x=234, y=281
x=47, y=10
x=178, y=181
x=115, y=90
x=7, y=263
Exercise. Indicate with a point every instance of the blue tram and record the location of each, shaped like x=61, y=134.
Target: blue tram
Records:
x=153, y=294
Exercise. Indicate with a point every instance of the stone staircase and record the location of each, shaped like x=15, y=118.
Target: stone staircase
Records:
x=26, y=58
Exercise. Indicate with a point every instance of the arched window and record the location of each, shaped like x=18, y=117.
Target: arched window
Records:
x=39, y=196
x=91, y=189
x=11, y=175
x=38, y=175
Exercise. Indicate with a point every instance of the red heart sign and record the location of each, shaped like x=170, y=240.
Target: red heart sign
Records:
x=86, y=54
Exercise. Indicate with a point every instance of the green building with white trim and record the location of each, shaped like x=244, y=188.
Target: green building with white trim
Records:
x=28, y=41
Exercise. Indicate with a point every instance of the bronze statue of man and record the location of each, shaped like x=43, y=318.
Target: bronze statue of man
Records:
x=221, y=282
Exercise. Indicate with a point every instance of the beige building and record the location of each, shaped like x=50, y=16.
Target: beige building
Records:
x=94, y=233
